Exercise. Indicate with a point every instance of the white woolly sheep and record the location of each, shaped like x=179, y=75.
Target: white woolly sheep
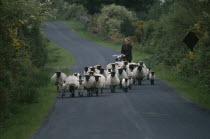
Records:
x=140, y=73
x=73, y=84
x=99, y=83
x=58, y=78
x=125, y=84
x=89, y=84
x=121, y=74
x=152, y=78
x=112, y=81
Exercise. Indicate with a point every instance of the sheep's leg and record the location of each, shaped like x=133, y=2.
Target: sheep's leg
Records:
x=120, y=84
x=130, y=87
x=101, y=90
x=126, y=89
x=139, y=81
x=114, y=89
x=152, y=81
x=147, y=77
x=96, y=92
x=111, y=89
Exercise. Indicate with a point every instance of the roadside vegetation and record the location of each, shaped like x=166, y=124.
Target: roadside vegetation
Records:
x=27, y=59
x=156, y=33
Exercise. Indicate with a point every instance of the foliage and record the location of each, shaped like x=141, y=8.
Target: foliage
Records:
x=94, y=6
x=65, y=11
x=22, y=52
x=111, y=19
x=165, y=31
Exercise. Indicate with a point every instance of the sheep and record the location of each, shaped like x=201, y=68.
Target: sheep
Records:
x=73, y=84
x=125, y=84
x=89, y=84
x=99, y=83
x=140, y=73
x=103, y=72
x=86, y=70
x=81, y=87
x=152, y=78
x=58, y=78
x=148, y=73
x=142, y=64
x=111, y=66
x=130, y=82
x=121, y=74
x=129, y=69
x=112, y=81
x=76, y=75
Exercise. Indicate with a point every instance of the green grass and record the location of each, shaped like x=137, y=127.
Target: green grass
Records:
x=30, y=116
x=79, y=28
x=188, y=88
x=58, y=57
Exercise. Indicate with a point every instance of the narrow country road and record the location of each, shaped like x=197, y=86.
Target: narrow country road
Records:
x=146, y=112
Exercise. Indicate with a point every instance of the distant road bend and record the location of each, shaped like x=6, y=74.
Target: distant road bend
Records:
x=146, y=112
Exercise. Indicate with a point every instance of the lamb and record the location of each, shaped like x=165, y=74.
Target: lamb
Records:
x=152, y=78
x=121, y=74
x=58, y=78
x=125, y=84
x=89, y=84
x=140, y=73
x=148, y=73
x=112, y=81
x=130, y=82
x=86, y=71
x=81, y=87
x=73, y=84
x=99, y=83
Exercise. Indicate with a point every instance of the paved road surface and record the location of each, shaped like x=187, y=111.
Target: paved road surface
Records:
x=146, y=112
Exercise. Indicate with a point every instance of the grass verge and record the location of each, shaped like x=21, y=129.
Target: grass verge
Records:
x=30, y=116
x=188, y=88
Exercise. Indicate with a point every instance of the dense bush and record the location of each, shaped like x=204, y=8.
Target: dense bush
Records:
x=22, y=52
x=112, y=20
x=165, y=31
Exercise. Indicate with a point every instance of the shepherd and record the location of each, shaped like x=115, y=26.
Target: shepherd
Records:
x=127, y=50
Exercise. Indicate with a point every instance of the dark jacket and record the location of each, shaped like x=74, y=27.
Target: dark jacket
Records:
x=127, y=51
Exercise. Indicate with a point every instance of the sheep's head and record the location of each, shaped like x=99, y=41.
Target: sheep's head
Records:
x=149, y=68
x=141, y=63
x=80, y=81
x=58, y=74
x=93, y=69
x=86, y=69
x=97, y=78
x=140, y=68
x=101, y=71
x=98, y=67
x=131, y=67
x=87, y=77
x=80, y=77
x=126, y=80
x=109, y=70
x=113, y=66
x=112, y=73
x=120, y=71
x=153, y=73
x=125, y=63
x=91, y=73
x=75, y=74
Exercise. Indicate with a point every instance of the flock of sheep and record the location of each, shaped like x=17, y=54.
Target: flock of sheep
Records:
x=96, y=78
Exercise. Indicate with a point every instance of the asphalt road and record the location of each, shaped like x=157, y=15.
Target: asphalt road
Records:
x=146, y=112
